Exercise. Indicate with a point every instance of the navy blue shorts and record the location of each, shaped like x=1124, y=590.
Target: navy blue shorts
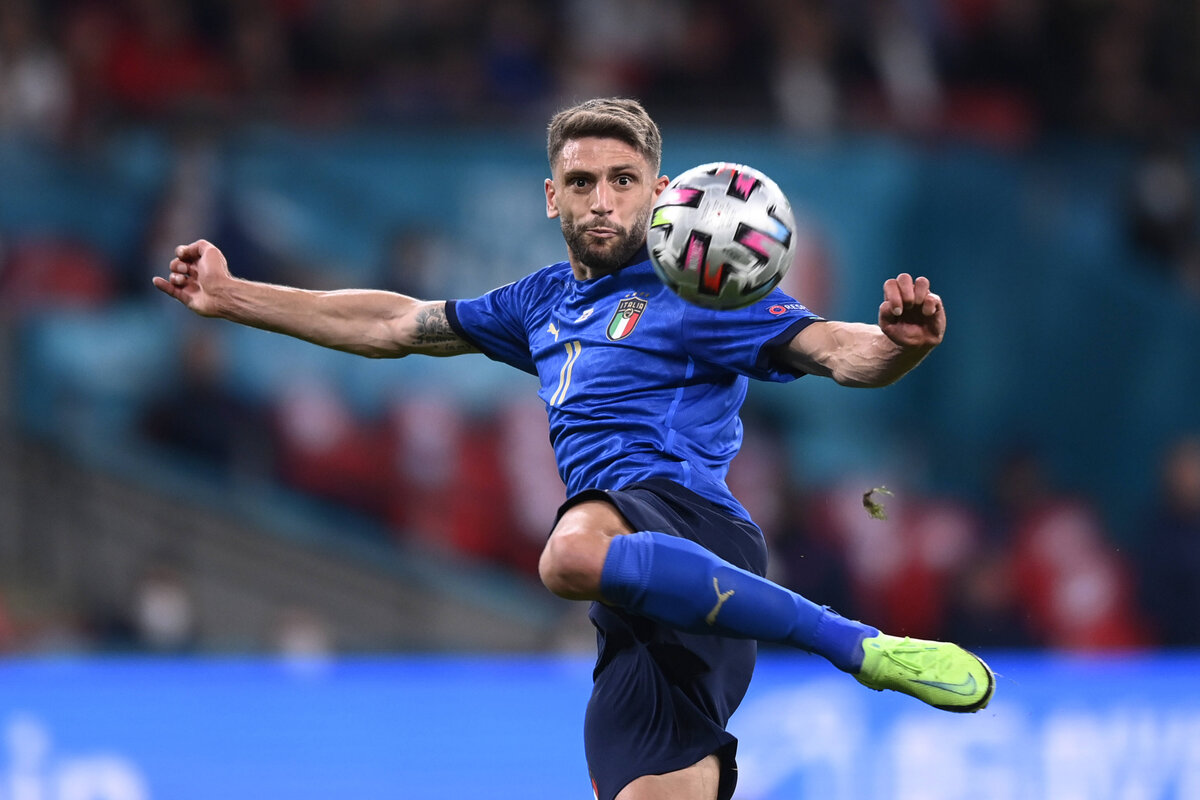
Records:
x=661, y=698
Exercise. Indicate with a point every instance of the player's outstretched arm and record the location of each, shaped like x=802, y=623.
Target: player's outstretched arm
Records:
x=369, y=323
x=912, y=321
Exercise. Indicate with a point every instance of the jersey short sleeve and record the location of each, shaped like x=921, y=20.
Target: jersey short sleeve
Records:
x=742, y=340
x=498, y=322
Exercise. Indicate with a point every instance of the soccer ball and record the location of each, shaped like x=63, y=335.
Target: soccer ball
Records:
x=722, y=235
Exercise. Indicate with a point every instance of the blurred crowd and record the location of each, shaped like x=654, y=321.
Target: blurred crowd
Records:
x=1027, y=565
x=1002, y=70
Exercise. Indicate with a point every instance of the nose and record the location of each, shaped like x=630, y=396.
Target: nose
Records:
x=602, y=198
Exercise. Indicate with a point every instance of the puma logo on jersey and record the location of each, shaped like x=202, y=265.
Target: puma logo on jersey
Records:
x=711, y=619
x=554, y=330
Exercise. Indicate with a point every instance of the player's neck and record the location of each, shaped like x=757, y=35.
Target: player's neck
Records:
x=585, y=272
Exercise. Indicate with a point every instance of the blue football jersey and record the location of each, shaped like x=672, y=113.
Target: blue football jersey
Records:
x=637, y=382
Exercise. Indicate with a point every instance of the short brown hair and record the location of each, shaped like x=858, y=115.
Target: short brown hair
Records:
x=607, y=118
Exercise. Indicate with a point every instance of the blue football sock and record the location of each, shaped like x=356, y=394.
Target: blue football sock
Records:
x=678, y=583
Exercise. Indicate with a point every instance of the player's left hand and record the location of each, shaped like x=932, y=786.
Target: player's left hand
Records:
x=911, y=315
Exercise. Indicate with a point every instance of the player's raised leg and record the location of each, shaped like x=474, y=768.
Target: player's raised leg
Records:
x=593, y=555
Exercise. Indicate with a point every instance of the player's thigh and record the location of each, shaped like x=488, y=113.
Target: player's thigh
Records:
x=700, y=781
x=574, y=555
x=594, y=515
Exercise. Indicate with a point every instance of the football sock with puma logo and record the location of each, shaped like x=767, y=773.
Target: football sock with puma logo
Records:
x=679, y=583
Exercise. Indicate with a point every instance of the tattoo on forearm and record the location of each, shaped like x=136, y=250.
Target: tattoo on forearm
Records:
x=434, y=332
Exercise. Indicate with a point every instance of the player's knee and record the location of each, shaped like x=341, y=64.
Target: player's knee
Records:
x=571, y=564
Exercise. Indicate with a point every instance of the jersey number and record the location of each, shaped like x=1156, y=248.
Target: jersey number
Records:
x=574, y=348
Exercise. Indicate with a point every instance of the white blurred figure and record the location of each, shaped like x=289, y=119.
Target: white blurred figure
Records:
x=537, y=489
x=163, y=614
x=805, y=88
x=35, y=95
x=325, y=449
x=302, y=639
x=188, y=201
x=1074, y=587
x=905, y=62
x=311, y=414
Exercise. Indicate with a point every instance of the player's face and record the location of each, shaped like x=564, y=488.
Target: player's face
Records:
x=602, y=193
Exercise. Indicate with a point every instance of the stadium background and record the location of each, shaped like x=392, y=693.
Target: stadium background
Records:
x=235, y=565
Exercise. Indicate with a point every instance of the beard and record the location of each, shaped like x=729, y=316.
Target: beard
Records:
x=609, y=256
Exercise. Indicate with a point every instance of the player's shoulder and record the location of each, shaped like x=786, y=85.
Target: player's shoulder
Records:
x=547, y=280
x=551, y=277
x=558, y=272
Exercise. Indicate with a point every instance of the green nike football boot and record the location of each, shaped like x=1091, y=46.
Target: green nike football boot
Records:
x=939, y=673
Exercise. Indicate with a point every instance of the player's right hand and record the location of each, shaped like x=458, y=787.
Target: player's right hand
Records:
x=196, y=272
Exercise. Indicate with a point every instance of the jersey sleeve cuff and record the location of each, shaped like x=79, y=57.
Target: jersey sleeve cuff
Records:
x=457, y=327
x=767, y=354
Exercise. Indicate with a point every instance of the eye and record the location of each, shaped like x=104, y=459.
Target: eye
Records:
x=625, y=180
x=579, y=183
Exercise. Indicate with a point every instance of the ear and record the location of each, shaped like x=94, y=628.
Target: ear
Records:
x=661, y=185
x=551, y=204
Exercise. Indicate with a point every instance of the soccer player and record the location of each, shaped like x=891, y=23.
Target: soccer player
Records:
x=643, y=391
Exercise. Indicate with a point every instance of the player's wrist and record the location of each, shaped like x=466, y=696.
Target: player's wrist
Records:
x=232, y=298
